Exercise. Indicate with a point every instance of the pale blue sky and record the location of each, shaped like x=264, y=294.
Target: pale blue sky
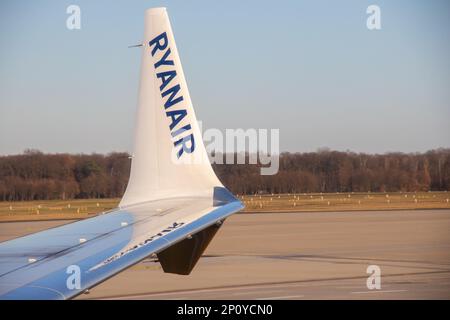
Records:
x=310, y=68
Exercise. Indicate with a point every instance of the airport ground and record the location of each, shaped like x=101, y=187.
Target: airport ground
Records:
x=300, y=202
x=298, y=255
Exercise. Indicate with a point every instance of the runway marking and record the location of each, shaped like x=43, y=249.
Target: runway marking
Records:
x=349, y=287
x=253, y=292
x=282, y=284
x=377, y=291
x=281, y=297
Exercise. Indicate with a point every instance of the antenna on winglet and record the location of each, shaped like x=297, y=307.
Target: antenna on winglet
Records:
x=135, y=46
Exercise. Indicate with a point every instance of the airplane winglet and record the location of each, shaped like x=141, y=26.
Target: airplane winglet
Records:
x=169, y=157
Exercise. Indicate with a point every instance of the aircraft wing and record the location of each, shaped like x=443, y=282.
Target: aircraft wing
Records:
x=63, y=262
x=172, y=207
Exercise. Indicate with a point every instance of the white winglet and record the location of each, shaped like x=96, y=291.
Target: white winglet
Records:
x=169, y=158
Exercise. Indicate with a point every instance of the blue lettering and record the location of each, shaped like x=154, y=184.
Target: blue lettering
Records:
x=157, y=43
x=181, y=130
x=173, y=92
x=176, y=116
x=164, y=60
x=184, y=141
x=166, y=77
x=187, y=143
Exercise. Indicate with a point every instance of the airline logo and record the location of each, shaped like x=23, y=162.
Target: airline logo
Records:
x=138, y=245
x=170, y=93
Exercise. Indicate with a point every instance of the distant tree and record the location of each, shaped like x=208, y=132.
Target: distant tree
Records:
x=34, y=175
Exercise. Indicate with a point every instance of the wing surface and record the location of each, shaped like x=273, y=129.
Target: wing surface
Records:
x=45, y=265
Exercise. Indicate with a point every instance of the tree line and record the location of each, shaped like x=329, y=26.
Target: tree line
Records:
x=34, y=175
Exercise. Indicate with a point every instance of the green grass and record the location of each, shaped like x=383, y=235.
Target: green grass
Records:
x=79, y=209
x=54, y=209
x=346, y=201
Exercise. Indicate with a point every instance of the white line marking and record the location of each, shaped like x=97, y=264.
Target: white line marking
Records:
x=281, y=297
x=377, y=291
x=253, y=292
x=194, y=291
